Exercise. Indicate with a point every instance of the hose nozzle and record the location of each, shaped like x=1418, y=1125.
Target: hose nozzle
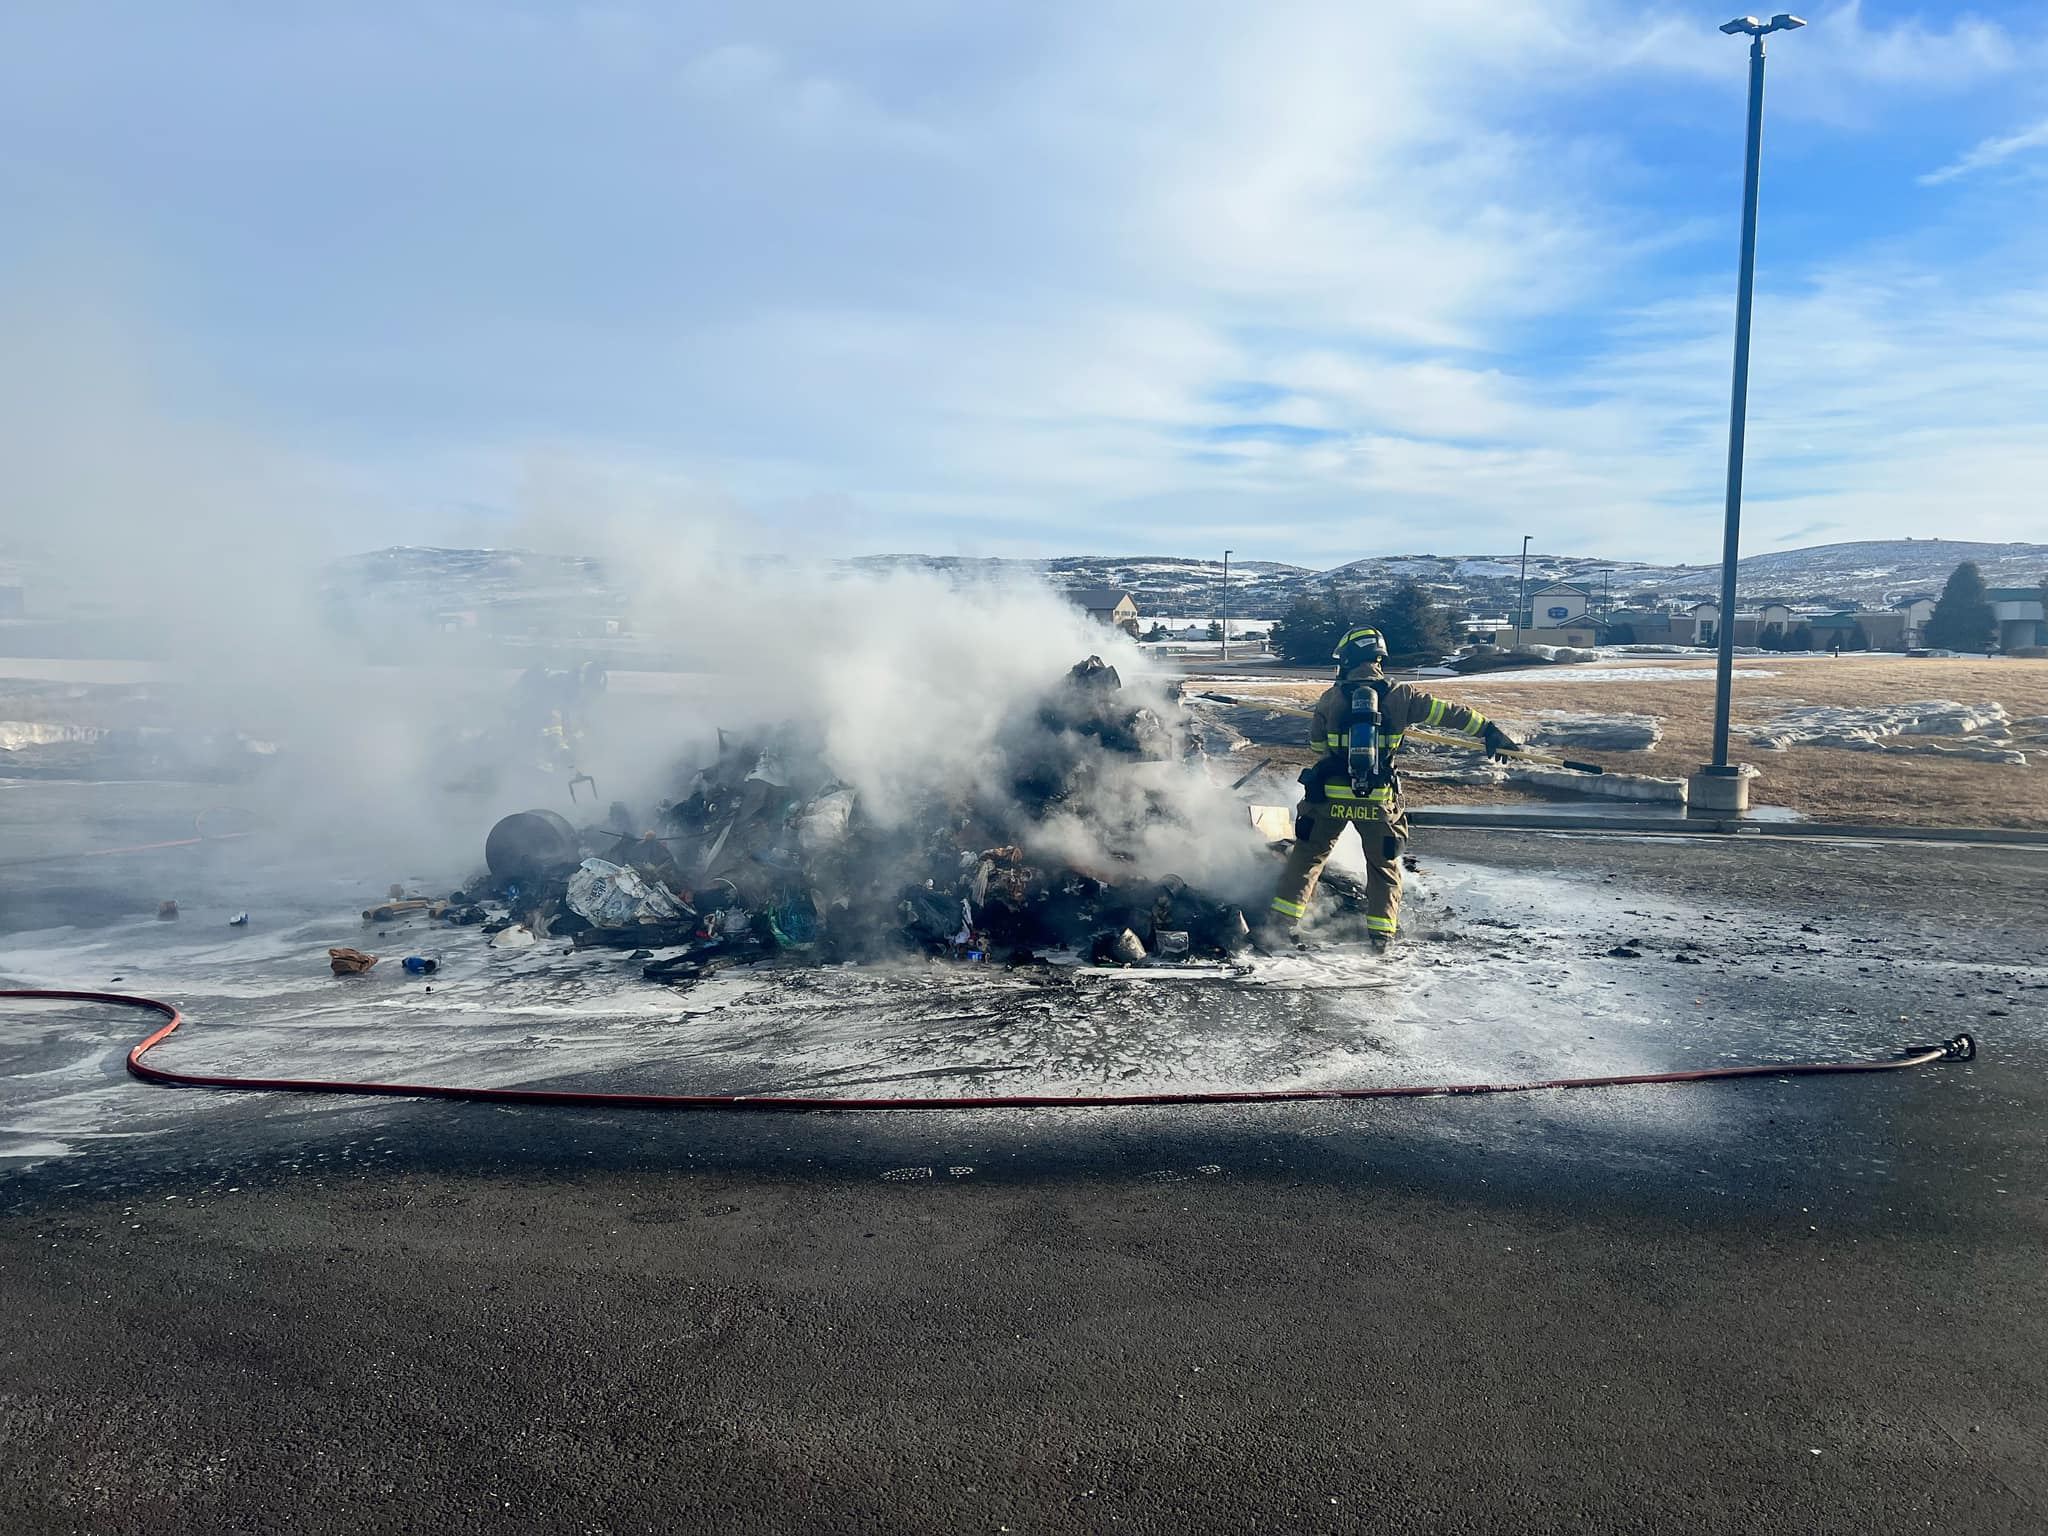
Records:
x=1957, y=1048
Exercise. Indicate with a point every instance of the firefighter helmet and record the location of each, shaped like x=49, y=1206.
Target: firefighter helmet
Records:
x=1359, y=648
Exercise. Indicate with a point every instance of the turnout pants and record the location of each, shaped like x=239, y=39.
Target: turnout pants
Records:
x=1316, y=833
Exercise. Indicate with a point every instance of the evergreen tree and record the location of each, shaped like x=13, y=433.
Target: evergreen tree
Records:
x=1306, y=634
x=1416, y=629
x=1962, y=615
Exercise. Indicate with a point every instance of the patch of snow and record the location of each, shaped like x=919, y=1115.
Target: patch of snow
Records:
x=1595, y=732
x=16, y=734
x=1868, y=728
x=1613, y=675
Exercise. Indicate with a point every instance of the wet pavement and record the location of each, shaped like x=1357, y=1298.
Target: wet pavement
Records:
x=1812, y=1301
x=1525, y=957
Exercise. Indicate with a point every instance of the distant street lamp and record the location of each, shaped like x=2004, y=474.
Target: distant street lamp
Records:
x=1522, y=592
x=1738, y=409
x=1226, y=605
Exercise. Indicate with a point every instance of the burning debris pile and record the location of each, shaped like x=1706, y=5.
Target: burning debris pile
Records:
x=766, y=852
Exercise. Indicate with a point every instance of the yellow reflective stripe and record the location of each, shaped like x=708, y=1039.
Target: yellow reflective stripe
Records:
x=1379, y=924
x=1338, y=792
x=1390, y=742
x=1384, y=795
x=1333, y=743
x=1436, y=712
x=1287, y=908
x=1476, y=725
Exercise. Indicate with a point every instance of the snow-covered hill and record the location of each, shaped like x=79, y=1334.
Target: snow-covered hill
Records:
x=428, y=581
x=1870, y=571
x=1876, y=571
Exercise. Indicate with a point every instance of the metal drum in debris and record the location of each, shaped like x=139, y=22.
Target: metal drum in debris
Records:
x=527, y=844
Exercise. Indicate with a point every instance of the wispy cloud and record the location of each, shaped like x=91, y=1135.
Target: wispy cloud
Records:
x=1075, y=274
x=1990, y=152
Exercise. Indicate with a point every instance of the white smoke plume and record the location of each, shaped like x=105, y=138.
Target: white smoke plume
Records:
x=202, y=548
x=912, y=678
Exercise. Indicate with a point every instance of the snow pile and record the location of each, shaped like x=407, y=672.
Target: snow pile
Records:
x=2009, y=755
x=1447, y=765
x=16, y=734
x=1623, y=675
x=1875, y=728
x=1600, y=786
x=1640, y=787
x=1488, y=658
x=1595, y=732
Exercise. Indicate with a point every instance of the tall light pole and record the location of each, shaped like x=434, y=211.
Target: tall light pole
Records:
x=1738, y=408
x=1226, y=605
x=1522, y=592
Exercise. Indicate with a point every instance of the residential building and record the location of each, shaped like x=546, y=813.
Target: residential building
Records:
x=1706, y=618
x=1917, y=610
x=1582, y=633
x=1770, y=616
x=1833, y=629
x=1108, y=605
x=1859, y=629
x=2019, y=616
x=1556, y=606
x=1648, y=626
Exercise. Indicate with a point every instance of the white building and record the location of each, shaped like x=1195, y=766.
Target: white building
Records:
x=1914, y=612
x=1556, y=606
x=2020, y=616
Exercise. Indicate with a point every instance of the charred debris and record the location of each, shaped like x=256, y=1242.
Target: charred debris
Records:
x=765, y=855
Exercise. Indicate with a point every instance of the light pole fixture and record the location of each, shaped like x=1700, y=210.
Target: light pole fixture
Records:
x=1226, y=605
x=1522, y=592
x=1738, y=408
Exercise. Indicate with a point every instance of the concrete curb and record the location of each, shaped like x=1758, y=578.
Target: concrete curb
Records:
x=1723, y=826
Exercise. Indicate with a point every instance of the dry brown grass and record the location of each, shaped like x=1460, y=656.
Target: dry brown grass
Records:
x=1825, y=783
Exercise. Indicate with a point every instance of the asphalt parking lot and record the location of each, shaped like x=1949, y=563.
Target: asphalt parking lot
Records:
x=1815, y=1304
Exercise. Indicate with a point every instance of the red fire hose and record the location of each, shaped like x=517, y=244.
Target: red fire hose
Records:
x=1960, y=1048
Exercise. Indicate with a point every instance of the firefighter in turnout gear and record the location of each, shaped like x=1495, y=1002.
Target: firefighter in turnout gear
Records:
x=1357, y=731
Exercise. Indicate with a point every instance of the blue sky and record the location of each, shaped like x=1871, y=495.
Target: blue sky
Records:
x=1055, y=278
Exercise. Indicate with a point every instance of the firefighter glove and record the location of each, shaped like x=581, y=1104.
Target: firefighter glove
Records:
x=1498, y=742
